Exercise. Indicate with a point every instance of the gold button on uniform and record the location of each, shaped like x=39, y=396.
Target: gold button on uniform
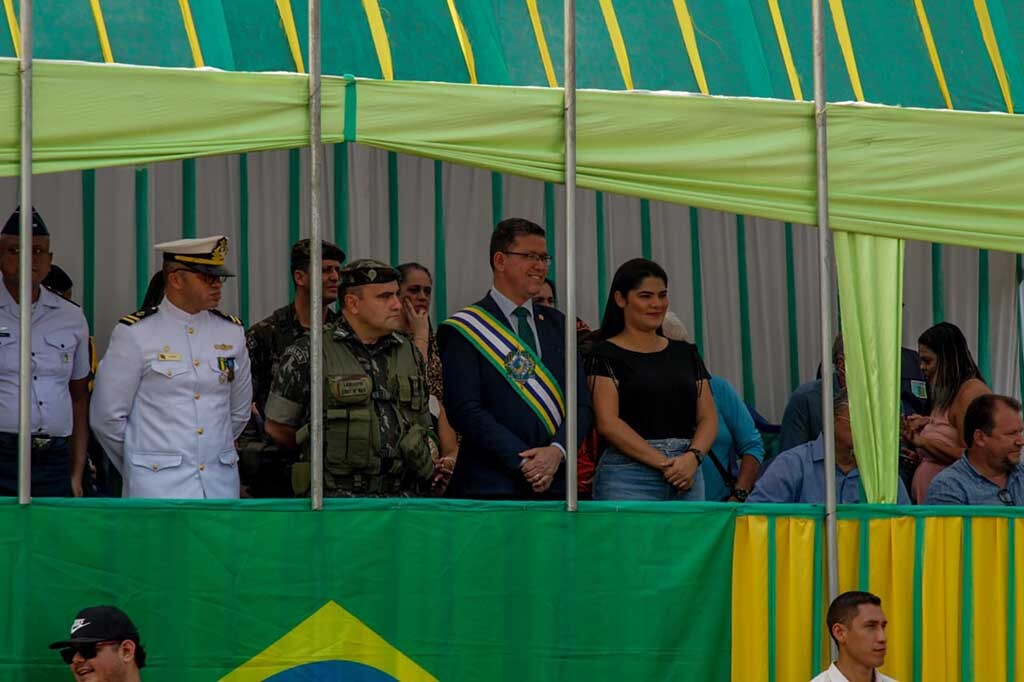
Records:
x=196, y=396
x=155, y=467
x=195, y=363
x=199, y=430
x=202, y=467
x=191, y=330
x=169, y=373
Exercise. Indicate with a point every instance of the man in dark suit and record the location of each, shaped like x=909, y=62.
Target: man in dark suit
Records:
x=504, y=373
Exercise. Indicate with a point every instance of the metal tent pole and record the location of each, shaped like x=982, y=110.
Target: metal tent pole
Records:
x=825, y=281
x=316, y=364
x=571, y=436
x=25, y=264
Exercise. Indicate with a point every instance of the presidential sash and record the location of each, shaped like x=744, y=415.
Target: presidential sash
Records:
x=520, y=366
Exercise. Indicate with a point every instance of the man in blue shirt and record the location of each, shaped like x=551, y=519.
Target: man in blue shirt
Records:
x=798, y=474
x=990, y=472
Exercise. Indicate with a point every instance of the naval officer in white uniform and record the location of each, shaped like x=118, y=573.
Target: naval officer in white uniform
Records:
x=173, y=391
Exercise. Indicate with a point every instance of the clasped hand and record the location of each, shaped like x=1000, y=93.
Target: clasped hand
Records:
x=539, y=466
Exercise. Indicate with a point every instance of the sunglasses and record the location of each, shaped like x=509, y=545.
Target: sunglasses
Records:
x=86, y=651
x=206, y=278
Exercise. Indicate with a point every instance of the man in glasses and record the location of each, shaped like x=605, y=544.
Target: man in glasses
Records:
x=990, y=472
x=504, y=375
x=173, y=391
x=103, y=646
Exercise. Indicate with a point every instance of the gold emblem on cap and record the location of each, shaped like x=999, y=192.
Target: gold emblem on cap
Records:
x=371, y=274
x=220, y=251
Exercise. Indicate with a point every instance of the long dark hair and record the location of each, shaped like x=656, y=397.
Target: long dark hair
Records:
x=954, y=364
x=627, y=278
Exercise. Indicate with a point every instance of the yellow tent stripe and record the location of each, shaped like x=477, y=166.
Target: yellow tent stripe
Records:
x=989, y=560
x=787, y=55
x=101, y=31
x=542, y=43
x=892, y=578
x=467, y=48
x=794, y=594
x=284, y=9
x=989, y=36
x=750, y=612
x=690, y=40
x=846, y=46
x=1019, y=588
x=618, y=44
x=190, y=31
x=380, y=38
x=12, y=24
x=848, y=534
x=940, y=599
x=933, y=53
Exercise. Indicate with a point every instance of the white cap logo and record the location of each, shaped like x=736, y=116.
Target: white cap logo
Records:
x=78, y=624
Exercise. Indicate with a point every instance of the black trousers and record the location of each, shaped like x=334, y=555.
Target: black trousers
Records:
x=51, y=466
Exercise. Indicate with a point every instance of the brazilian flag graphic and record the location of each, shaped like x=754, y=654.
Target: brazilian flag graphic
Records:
x=334, y=645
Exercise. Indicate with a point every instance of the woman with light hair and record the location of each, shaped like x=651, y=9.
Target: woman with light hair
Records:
x=731, y=467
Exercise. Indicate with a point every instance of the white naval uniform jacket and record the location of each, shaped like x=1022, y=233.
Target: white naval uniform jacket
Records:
x=166, y=406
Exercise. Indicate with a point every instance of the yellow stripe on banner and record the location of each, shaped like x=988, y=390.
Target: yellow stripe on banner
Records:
x=467, y=48
x=848, y=533
x=891, y=577
x=380, y=38
x=933, y=52
x=846, y=46
x=750, y=599
x=690, y=40
x=542, y=43
x=12, y=24
x=989, y=35
x=284, y=9
x=787, y=55
x=940, y=599
x=794, y=579
x=1019, y=590
x=190, y=31
x=989, y=563
x=618, y=44
x=101, y=31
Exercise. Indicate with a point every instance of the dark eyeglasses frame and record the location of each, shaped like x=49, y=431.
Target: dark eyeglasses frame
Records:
x=86, y=651
x=1006, y=497
x=535, y=257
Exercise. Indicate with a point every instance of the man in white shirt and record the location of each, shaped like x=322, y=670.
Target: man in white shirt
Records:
x=857, y=624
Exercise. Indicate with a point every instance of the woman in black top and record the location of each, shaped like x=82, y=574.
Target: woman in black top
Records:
x=652, y=396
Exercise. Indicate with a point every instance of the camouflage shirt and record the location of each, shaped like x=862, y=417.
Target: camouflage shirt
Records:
x=267, y=341
x=288, y=402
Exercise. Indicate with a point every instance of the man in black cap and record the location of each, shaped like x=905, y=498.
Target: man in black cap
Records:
x=103, y=646
x=60, y=373
x=266, y=468
x=377, y=428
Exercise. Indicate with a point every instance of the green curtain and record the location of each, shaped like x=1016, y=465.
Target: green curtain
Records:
x=870, y=274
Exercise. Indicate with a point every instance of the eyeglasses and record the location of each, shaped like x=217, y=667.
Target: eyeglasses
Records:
x=86, y=651
x=207, y=278
x=1006, y=497
x=535, y=257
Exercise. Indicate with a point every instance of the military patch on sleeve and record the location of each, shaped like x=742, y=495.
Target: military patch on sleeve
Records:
x=229, y=318
x=137, y=315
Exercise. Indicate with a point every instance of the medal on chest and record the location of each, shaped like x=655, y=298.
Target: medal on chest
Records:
x=227, y=369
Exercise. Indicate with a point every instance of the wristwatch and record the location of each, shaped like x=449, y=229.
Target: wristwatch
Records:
x=698, y=453
x=740, y=494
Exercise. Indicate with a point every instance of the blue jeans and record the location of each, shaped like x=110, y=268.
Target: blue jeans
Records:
x=620, y=477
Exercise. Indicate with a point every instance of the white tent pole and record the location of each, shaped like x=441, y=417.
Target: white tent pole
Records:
x=25, y=264
x=825, y=281
x=571, y=437
x=316, y=366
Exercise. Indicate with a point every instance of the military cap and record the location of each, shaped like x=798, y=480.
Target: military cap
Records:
x=205, y=254
x=300, y=254
x=13, y=225
x=367, y=271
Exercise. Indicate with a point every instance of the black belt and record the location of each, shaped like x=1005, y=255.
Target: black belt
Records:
x=39, y=441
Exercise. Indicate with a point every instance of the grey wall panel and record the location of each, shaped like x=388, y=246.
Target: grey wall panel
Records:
x=467, y=215
x=268, y=233
x=670, y=248
x=917, y=291
x=721, y=296
x=115, y=290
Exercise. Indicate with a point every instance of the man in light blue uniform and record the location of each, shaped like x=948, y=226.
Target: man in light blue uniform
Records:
x=60, y=374
x=798, y=474
x=174, y=391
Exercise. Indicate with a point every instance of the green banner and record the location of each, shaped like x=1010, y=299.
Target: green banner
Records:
x=386, y=589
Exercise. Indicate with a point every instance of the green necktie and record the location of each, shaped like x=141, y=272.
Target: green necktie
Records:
x=523, y=328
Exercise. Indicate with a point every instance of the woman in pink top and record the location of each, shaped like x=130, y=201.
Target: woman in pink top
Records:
x=954, y=381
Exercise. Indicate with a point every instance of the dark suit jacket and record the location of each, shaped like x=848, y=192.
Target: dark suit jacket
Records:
x=493, y=421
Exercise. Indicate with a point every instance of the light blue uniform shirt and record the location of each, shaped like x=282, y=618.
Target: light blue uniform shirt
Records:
x=961, y=483
x=798, y=476
x=737, y=436
x=60, y=354
x=507, y=306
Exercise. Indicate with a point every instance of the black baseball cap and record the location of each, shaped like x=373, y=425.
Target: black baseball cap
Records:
x=99, y=624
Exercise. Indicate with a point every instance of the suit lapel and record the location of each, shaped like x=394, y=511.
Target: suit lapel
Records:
x=491, y=306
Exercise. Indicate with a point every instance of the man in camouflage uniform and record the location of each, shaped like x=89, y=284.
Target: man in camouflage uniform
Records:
x=377, y=428
x=266, y=467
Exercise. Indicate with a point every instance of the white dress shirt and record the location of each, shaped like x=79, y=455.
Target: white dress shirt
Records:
x=60, y=353
x=166, y=408
x=507, y=306
x=833, y=674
